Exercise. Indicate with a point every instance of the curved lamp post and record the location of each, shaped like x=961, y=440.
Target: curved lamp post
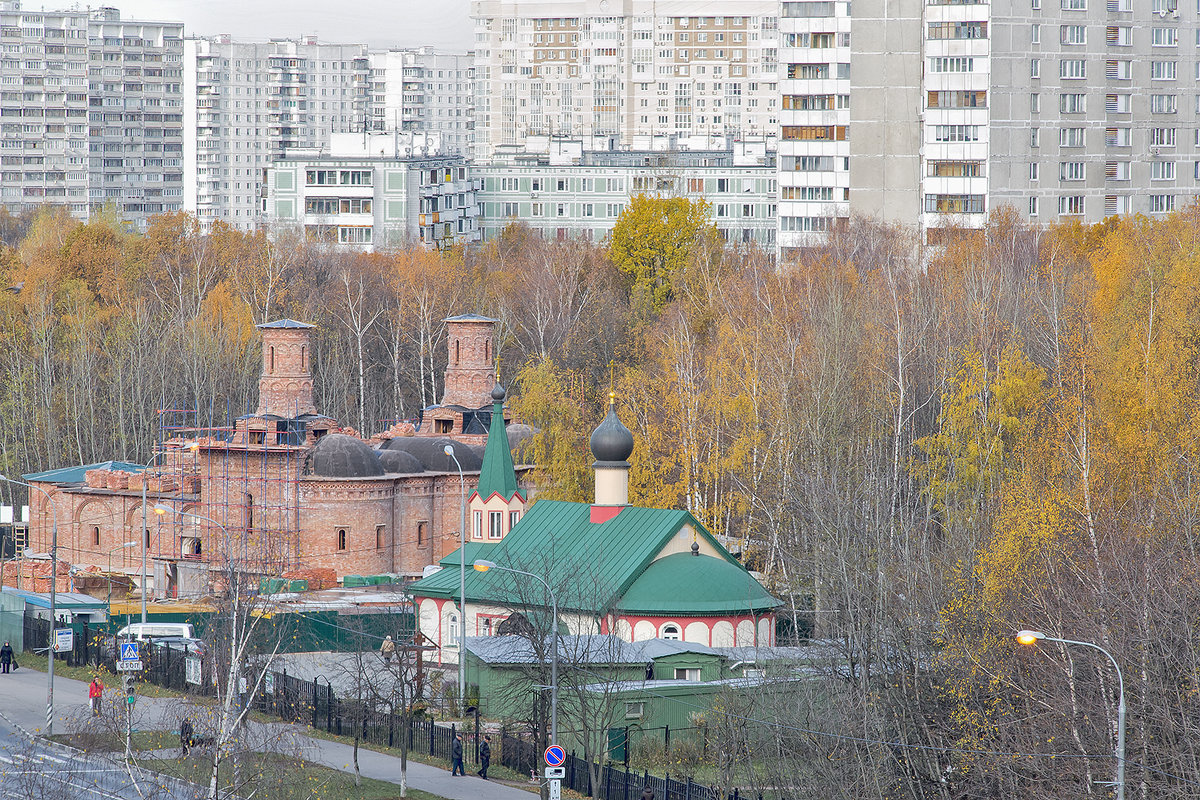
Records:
x=483, y=565
x=1033, y=637
x=462, y=580
x=53, y=581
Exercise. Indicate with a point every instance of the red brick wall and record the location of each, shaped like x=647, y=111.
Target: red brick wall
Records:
x=470, y=371
x=285, y=387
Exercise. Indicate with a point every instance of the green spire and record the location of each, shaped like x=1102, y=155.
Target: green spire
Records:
x=497, y=473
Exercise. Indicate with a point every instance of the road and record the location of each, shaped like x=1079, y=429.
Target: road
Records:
x=33, y=769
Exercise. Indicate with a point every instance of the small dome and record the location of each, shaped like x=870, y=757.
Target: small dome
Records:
x=498, y=393
x=399, y=462
x=520, y=441
x=612, y=441
x=430, y=452
x=337, y=455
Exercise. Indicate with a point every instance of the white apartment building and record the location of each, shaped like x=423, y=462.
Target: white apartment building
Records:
x=90, y=112
x=427, y=91
x=251, y=102
x=370, y=192
x=624, y=68
x=563, y=191
x=938, y=112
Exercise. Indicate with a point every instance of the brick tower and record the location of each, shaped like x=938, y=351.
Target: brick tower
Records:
x=285, y=388
x=470, y=372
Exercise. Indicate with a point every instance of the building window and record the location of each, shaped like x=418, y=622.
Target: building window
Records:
x=1071, y=205
x=476, y=524
x=454, y=638
x=1033, y=171
x=379, y=537
x=671, y=632
x=147, y=540
x=513, y=518
x=96, y=535
x=638, y=710
x=495, y=519
x=1071, y=171
x=687, y=674
x=1033, y=206
x=341, y=538
x=421, y=533
x=1162, y=203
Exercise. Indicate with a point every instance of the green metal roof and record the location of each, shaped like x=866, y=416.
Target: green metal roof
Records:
x=682, y=583
x=76, y=474
x=590, y=566
x=497, y=475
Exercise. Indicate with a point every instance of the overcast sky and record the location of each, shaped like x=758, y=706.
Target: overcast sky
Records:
x=400, y=23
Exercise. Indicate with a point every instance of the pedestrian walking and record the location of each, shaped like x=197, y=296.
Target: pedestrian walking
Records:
x=387, y=649
x=647, y=794
x=186, y=733
x=6, y=658
x=456, y=756
x=95, y=692
x=485, y=756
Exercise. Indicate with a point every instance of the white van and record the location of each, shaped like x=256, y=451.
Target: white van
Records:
x=151, y=630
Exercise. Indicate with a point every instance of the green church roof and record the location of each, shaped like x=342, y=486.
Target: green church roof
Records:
x=78, y=474
x=591, y=566
x=497, y=475
x=682, y=583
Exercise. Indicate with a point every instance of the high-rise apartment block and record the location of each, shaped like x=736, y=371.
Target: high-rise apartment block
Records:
x=252, y=102
x=624, y=68
x=90, y=112
x=930, y=113
x=425, y=90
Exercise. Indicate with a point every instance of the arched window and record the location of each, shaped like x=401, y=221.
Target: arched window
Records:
x=456, y=351
x=341, y=538
x=302, y=367
x=670, y=632
x=272, y=351
x=96, y=535
x=453, y=638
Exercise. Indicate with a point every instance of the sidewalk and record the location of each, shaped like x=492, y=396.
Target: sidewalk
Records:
x=23, y=700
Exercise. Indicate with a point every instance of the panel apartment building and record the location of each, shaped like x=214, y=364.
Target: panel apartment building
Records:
x=425, y=90
x=252, y=102
x=90, y=112
x=933, y=112
x=623, y=68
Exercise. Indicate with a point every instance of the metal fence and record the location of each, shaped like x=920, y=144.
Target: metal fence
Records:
x=314, y=703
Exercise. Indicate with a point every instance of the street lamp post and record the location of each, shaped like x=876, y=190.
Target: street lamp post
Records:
x=462, y=580
x=1033, y=637
x=110, y=552
x=53, y=581
x=483, y=565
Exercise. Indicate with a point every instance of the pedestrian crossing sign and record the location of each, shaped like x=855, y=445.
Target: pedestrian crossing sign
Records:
x=129, y=651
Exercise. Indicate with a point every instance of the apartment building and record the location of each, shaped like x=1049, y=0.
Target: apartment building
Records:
x=252, y=102
x=636, y=67
x=425, y=90
x=90, y=112
x=938, y=112
x=568, y=192
x=368, y=192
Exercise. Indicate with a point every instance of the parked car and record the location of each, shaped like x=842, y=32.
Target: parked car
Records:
x=180, y=644
x=154, y=630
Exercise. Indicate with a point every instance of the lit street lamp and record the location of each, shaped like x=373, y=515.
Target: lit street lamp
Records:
x=462, y=580
x=1033, y=637
x=483, y=565
x=53, y=581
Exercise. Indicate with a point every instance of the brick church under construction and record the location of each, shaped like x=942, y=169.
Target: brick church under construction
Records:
x=286, y=490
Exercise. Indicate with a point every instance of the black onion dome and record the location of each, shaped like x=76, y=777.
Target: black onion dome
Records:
x=612, y=441
x=337, y=455
x=498, y=393
x=399, y=462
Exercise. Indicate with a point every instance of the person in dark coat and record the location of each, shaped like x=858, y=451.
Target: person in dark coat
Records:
x=186, y=732
x=6, y=657
x=456, y=756
x=485, y=756
x=647, y=794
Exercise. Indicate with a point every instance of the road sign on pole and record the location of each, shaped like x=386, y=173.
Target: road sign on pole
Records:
x=555, y=789
x=556, y=756
x=64, y=640
x=556, y=772
x=129, y=651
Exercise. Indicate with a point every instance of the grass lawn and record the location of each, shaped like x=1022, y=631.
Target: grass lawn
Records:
x=276, y=777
